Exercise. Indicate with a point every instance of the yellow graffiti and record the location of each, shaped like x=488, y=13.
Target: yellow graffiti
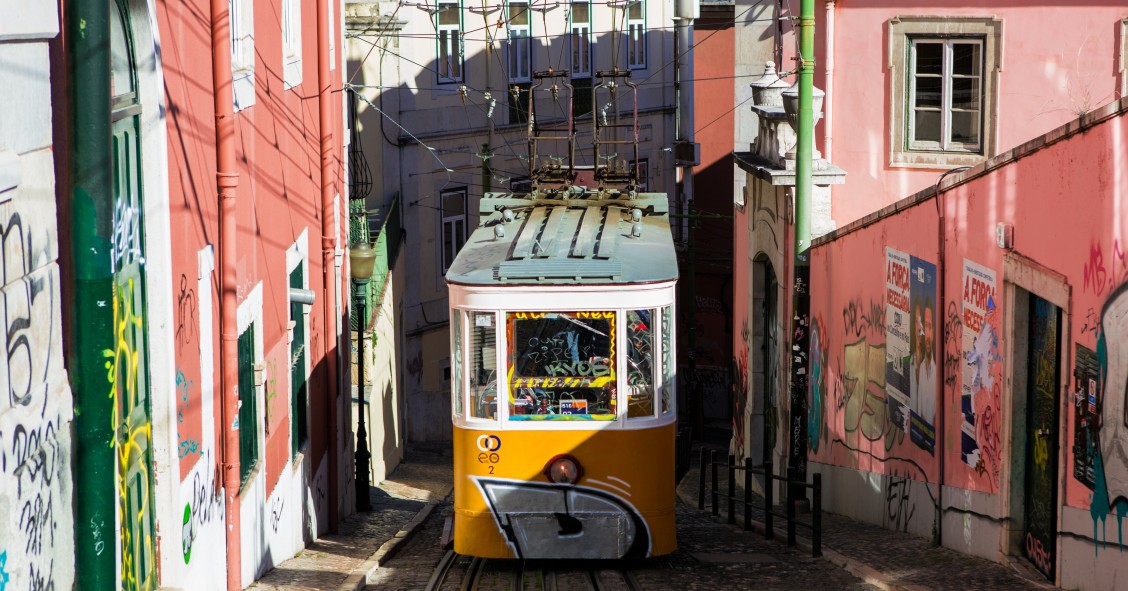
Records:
x=132, y=435
x=863, y=375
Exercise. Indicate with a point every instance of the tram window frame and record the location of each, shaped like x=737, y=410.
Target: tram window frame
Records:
x=669, y=402
x=640, y=389
x=457, y=348
x=478, y=389
x=538, y=398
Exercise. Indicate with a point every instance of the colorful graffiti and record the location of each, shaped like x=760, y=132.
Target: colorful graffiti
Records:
x=186, y=444
x=126, y=375
x=863, y=381
x=1110, y=469
x=204, y=506
x=741, y=411
x=817, y=411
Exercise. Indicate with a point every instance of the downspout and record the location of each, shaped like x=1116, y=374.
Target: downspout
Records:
x=227, y=179
x=685, y=12
x=328, y=247
x=942, y=335
x=828, y=69
x=800, y=292
x=86, y=37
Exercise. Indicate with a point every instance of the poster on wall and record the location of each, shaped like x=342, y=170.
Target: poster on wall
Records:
x=922, y=368
x=978, y=347
x=897, y=337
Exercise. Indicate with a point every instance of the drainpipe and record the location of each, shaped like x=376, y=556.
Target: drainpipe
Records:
x=942, y=336
x=87, y=40
x=828, y=69
x=328, y=246
x=800, y=293
x=227, y=179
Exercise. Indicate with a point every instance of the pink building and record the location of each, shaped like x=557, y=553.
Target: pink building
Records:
x=964, y=356
x=968, y=357
x=204, y=281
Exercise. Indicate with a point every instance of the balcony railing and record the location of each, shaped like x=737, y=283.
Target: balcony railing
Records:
x=382, y=228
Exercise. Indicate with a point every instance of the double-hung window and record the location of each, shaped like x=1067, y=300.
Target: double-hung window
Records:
x=580, y=45
x=943, y=90
x=636, y=34
x=291, y=43
x=242, y=53
x=946, y=92
x=454, y=224
x=448, y=25
x=520, y=65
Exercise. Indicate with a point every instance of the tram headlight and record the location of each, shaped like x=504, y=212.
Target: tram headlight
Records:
x=563, y=469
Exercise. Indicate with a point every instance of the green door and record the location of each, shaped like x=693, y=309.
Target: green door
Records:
x=129, y=371
x=1042, y=435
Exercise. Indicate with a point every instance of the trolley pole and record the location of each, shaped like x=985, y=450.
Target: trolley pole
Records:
x=800, y=293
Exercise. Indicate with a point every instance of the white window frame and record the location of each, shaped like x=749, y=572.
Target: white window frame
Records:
x=452, y=225
x=242, y=53
x=579, y=32
x=519, y=62
x=947, y=82
x=449, y=59
x=902, y=32
x=292, y=43
x=636, y=36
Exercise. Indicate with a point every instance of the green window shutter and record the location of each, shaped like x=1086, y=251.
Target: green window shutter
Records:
x=299, y=402
x=248, y=411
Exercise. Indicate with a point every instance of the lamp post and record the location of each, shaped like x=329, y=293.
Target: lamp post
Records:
x=361, y=259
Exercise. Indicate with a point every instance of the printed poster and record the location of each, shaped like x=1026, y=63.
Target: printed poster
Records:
x=978, y=348
x=922, y=367
x=897, y=337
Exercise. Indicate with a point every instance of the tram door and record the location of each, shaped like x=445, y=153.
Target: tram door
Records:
x=1044, y=344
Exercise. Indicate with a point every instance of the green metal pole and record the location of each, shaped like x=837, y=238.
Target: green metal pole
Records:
x=87, y=35
x=800, y=294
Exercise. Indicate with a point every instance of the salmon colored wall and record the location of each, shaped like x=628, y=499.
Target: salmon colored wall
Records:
x=849, y=423
x=279, y=197
x=1068, y=204
x=1056, y=61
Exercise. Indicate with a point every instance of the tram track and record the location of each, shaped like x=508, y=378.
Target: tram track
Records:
x=465, y=573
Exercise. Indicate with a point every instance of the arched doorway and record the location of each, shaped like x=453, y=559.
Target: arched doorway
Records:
x=765, y=347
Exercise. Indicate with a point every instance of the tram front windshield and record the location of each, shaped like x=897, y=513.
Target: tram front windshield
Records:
x=561, y=365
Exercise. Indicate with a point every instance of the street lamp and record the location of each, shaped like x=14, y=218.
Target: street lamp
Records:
x=361, y=259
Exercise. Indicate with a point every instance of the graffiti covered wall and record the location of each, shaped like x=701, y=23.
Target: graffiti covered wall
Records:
x=36, y=403
x=918, y=358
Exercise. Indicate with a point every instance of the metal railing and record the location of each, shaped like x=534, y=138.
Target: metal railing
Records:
x=383, y=229
x=710, y=464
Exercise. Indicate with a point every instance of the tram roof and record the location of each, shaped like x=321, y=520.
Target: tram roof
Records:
x=568, y=238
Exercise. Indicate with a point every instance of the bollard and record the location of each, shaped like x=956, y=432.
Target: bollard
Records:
x=769, y=501
x=816, y=518
x=715, y=498
x=731, y=489
x=790, y=518
x=747, y=494
x=702, y=466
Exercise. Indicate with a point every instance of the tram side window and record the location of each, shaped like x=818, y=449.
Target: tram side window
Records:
x=667, y=360
x=483, y=365
x=456, y=358
x=640, y=365
x=561, y=366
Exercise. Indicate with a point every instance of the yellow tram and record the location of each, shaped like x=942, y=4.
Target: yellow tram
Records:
x=562, y=340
